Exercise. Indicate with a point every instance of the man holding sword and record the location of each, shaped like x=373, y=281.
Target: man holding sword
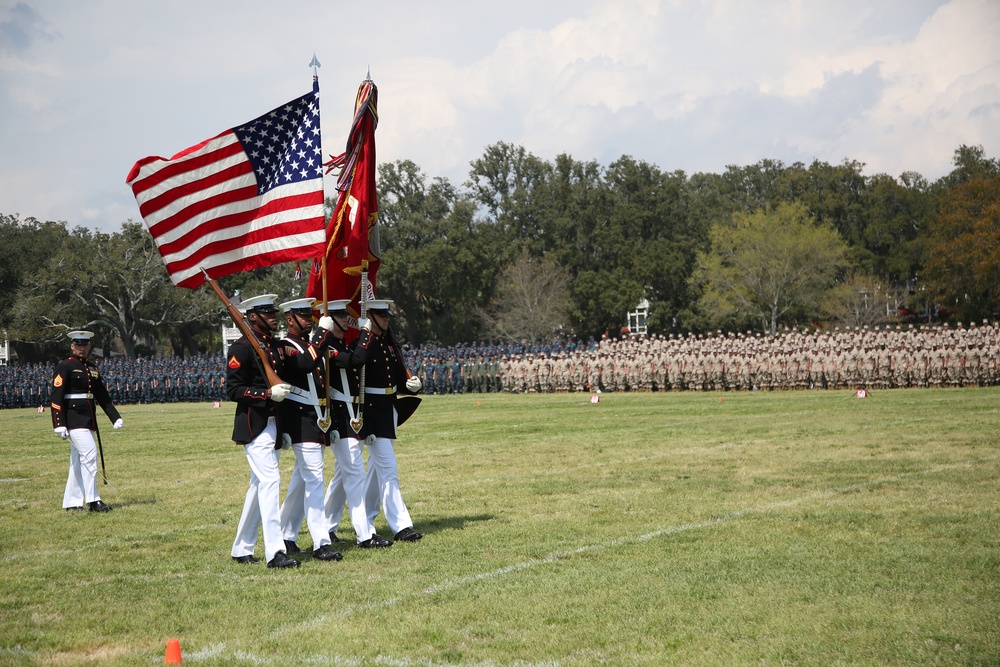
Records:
x=76, y=387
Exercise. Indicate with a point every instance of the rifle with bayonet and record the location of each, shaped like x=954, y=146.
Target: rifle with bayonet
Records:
x=244, y=326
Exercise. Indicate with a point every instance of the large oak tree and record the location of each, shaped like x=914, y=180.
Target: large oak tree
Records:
x=768, y=267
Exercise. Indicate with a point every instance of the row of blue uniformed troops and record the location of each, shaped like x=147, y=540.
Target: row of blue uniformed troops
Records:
x=25, y=385
x=370, y=395
x=196, y=378
x=440, y=376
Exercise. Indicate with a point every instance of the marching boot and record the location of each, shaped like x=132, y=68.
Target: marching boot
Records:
x=408, y=535
x=281, y=560
x=375, y=542
x=327, y=552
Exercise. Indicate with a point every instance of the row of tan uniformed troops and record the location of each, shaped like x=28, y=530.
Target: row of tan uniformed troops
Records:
x=873, y=358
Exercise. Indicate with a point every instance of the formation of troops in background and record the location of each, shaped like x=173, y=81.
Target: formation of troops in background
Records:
x=874, y=358
x=480, y=367
x=961, y=355
x=196, y=378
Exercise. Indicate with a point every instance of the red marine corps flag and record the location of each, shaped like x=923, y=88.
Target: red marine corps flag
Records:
x=249, y=197
x=352, y=232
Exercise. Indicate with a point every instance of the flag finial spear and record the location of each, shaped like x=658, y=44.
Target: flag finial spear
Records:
x=314, y=63
x=369, y=77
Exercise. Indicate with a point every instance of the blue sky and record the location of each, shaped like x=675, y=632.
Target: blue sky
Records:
x=87, y=87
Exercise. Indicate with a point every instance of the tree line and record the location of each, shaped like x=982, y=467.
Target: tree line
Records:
x=528, y=248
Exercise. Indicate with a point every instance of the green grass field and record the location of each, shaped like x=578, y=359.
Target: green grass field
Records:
x=802, y=528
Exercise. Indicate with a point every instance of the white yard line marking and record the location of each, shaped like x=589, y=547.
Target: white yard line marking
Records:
x=218, y=651
x=557, y=556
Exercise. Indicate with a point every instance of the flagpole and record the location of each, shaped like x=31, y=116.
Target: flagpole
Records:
x=314, y=63
x=322, y=277
x=324, y=418
x=234, y=312
x=357, y=423
x=324, y=422
x=321, y=421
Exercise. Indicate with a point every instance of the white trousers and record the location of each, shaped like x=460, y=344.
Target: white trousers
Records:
x=348, y=486
x=304, y=497
x=383, y=486
x=260, y=509
x=81, y=485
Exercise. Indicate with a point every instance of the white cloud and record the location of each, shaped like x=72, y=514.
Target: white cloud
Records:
x=685, y=84
x=942, y=91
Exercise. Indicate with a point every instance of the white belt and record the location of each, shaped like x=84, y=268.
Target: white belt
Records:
x=388, y=391
x=352, y=408
x=72, y=396
x=305, y=399
x=342, y=397
x=311, y=397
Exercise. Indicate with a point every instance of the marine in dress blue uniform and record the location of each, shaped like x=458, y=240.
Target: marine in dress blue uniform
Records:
x=385, y=409
x=77, y=387
x=306, y=422
x=255, y=428
x=348, y=483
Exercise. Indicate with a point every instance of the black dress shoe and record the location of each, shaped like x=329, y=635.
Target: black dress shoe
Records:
x=75, y=509
x=98, y=506
x=335, y=539
x=246, y=560
x=375, y=542
x=408, y=535
x=281, y=560
x=291, y=547
x=327, y=552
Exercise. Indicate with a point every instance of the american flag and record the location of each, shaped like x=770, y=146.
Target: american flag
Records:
x=250, y=197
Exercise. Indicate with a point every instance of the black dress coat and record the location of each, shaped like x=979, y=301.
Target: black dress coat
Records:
x=79, y=377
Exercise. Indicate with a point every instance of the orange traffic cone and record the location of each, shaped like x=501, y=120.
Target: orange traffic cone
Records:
x=173, y=656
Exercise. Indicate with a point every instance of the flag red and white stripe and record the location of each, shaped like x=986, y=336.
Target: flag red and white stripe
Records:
x=250, y=197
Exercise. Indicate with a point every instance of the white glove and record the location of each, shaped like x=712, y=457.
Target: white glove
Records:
x=326, y=322
x=118, y=424
x=286, y=441
x=62, y=432
x=413, y=385
x=280, y=392
x=365, y=323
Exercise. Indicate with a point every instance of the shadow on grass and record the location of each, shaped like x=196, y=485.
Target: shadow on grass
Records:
x=451, y=523
x=348, y=543
x=133, y=501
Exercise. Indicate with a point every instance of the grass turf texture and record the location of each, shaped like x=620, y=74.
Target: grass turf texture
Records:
x=807, y=528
